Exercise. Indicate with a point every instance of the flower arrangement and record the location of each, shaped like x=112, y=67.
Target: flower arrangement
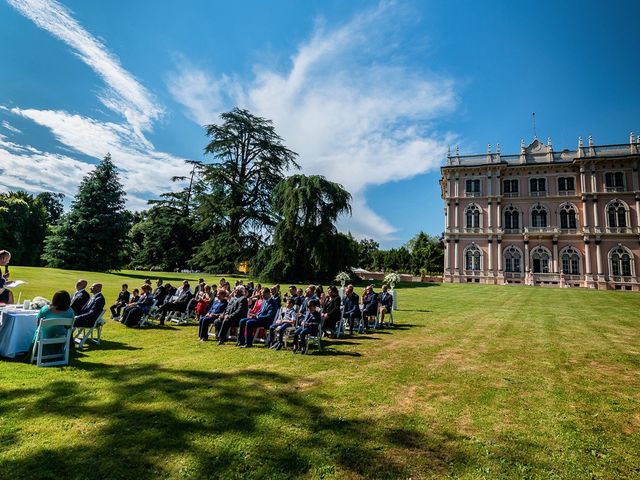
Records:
x=391, y=279
x=343, y=278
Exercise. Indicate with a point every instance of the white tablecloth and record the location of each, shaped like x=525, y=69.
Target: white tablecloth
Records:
x=16, y=331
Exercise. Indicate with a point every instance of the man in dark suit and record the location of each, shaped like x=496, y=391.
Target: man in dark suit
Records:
x=179, y=305
x=160, y=293
x=92, y=310
x=351, y=303
x=237, y=309
x=80, y=297
x=123, y=301
x=331, y=312
x=369, y=305
x=264, y=318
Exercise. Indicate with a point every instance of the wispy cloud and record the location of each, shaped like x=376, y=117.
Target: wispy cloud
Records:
x=7, y=126
x=351, y=118
x=123, y=93
x=145, y=171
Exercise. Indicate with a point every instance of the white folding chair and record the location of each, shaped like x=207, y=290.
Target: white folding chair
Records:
x=52, y=359
x=146, y=317
x=82, y=334
x=266, y=329
x=315, y=339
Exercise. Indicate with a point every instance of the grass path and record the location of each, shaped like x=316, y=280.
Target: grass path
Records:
x=475, y=382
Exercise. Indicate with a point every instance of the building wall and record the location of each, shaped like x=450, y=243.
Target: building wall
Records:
x=593, y=237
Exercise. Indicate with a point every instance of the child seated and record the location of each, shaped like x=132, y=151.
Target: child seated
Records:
x=309, y=325
x=280, y=326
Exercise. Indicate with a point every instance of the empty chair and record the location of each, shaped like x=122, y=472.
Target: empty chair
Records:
x=52, y=350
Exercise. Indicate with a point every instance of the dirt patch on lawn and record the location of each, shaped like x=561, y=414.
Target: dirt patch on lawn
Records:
x=634, y=425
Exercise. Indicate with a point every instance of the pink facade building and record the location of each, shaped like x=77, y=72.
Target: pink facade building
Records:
x=544, y=217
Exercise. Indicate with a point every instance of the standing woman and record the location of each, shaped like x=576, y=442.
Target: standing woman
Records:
x=6, y=296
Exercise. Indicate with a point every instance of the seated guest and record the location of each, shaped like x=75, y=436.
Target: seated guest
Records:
x=292, y=293
x=147, y=281
x=351, y=304
x=170, y=293
x=280, y=326
x=331, y=312
x=178, y=305
x=199, y=287
x=217, y=309
x=92, y=310
x=185, y=286
x=322, y=298
x=60, y=307
x=160, y=293
x=299, y=298
x=256, y=305
x=204, y=300
x=385, y=300
x=6, y=296
x=369, y=305
x=308, y=326
x=134, y=311
x=123, y=301
x=80, y=298
x=135, y=296
x=263, y=318
x=309, y=294
x=275, y=293
x=236, y=310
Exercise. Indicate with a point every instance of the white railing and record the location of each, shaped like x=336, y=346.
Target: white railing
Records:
x=472, y=194
x=513, y=275
x=546, y=277
x=622, y=279
x=614, y=189
x=538, y=194
x=511, y=194
x=566, y=193
x=540, y=230
x=473, y=273
x=570, y=231
x=512, y=230
x=619, y=230
x=472, y=230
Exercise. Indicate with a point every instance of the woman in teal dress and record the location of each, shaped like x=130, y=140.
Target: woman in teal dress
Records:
x=60, y=308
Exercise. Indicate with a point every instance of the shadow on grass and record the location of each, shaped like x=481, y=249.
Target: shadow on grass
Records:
x=154, y=422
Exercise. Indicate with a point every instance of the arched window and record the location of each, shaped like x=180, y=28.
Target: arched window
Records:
x=540, y=257
x=617, y=213
x=539, y=216
x=473, y=216
x=512, y=259
x=472, y=258
x=570, y=258
x=621, y=261
x=511, y=218
x=568, y=217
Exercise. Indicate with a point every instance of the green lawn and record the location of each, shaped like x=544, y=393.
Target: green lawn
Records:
x=475, y=382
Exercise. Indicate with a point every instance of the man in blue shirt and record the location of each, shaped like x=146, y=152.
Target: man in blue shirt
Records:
x=264, y=318
x=217, y=308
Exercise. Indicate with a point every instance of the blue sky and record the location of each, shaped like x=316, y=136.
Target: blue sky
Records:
x=370, y=94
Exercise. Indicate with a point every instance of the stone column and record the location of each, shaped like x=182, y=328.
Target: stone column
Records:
x=490, y=255
x=447, y=252
x=587, y=257
x=455, y=215
x=498, y=216
x=637, y=211
x=585, y=214
x=596, y=222
x=499, y=256
x=455, y=256
x=598, y=259
x=526, y=256
x=555, y=256
x=489, y=219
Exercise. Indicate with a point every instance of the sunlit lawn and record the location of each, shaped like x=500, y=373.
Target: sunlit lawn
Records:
x=474, y=382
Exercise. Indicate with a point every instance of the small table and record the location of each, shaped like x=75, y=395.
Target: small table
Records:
x=17, y=328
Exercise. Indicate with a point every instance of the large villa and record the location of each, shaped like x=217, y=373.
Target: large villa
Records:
x=544, y=217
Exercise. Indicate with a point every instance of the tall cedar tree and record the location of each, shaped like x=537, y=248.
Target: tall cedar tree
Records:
x=236, y=208
x=23, y=227
x=165, y=236
x=306, y=242
x=92, y=235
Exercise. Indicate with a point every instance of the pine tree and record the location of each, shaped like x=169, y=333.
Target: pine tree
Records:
x=93, y=234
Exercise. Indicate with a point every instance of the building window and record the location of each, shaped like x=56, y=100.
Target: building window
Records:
x=538, y=187
x=566, y=185
x=512, y=260
x=473, y=216
x=539, y=217
x=511, y=218
x=617, y=214
x=570, y=261
x=472, y=258
x=568, y=217
x=540, y=257
x=620, y=260
x=614, y=181
x=473, y=188
x=511, y=188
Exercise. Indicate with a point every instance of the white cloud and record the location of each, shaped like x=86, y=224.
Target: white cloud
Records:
x=124, y=94
x=351, y=118
x=7, y=126
x=145, y=172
